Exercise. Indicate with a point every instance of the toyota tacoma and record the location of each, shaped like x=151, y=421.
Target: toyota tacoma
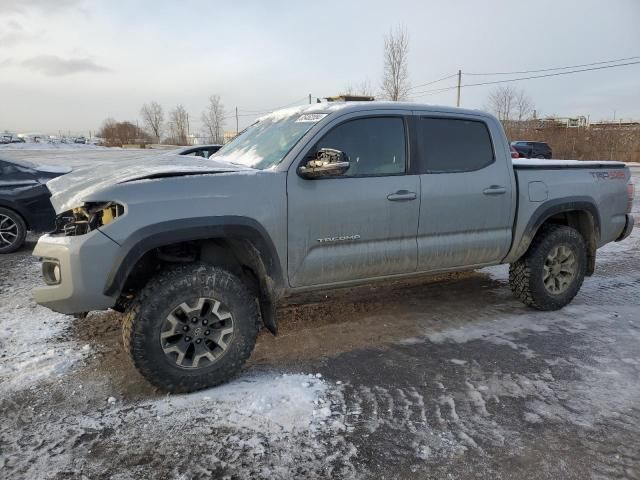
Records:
x=197, y=253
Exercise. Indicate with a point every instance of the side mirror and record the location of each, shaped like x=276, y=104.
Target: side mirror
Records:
x=328, y=163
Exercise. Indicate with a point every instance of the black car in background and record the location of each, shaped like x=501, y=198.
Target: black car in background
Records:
x=527, y=149
x=204, y=151
x=24, y=201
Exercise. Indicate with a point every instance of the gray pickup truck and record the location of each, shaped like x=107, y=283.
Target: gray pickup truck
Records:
x=198, y=252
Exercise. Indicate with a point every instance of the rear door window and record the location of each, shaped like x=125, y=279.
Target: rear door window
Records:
x=453, y=145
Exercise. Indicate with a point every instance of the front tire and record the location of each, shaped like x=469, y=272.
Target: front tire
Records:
x=13, y=231
x=191, y=327
x=551, y=273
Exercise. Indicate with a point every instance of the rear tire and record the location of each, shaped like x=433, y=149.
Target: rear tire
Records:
x=13, y=231
x=191, y=327
x=551, y=273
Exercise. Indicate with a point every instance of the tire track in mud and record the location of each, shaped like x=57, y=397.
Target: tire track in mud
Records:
x=574, y=381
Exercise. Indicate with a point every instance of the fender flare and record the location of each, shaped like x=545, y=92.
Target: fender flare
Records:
x=549, y=209
x=188, y=229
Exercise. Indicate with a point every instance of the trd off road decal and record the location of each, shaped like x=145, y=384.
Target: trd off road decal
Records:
x=610, y=175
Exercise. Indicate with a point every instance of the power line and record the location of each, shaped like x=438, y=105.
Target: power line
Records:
x=434, y=91
x=551, y=74
x=551, y=69
x=431, y=83
x=429, y=92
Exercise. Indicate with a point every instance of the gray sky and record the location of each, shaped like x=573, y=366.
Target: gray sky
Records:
x=69, y=64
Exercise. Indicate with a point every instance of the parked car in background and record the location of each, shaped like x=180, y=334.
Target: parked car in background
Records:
x=6, y=138
x=24, y=201
x=527, y=149
x=204, y=151
x=514, y=152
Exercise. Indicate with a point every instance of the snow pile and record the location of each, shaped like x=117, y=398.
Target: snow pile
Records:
x=28, y=354
x=257, y=426
x=265, y=403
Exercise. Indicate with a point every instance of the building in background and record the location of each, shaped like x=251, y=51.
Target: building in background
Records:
x=228, y=136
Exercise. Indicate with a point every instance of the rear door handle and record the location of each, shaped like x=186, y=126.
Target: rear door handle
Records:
x=495, y=190
x=402, y=196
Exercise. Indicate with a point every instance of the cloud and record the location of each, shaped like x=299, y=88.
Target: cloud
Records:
x=14, y=34
x=21, y=6
x=54, y=66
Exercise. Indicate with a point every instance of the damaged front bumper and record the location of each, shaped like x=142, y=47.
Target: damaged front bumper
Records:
x=75, y=269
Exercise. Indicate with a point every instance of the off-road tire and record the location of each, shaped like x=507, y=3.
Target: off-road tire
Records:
x=21, y=230
x=526, y=274
x=145, y=316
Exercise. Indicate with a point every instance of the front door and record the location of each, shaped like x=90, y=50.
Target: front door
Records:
x=362, y=224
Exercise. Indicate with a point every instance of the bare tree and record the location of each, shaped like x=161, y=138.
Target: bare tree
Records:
x=116, y=134
x=395, y=78
x=153, y=118
x=178, y=125
x=509, y=103
x=501, y=102
x=523, y=106
x=213, y=119
x=363, y=89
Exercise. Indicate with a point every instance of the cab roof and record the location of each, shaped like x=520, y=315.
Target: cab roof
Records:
x=359, y=106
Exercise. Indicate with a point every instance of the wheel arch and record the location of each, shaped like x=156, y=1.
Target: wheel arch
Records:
x=580, y=213
x=227, y=241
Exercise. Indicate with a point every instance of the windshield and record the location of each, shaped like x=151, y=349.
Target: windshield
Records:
x=266, y=142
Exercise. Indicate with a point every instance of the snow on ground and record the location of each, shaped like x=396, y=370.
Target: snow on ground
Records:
x=81, y=156
x=267, y=403
x=30, y=344
x=52, y=146
x=485, y=386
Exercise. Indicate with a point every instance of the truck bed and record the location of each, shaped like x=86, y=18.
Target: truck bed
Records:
x=547, y=187
x=538, y=164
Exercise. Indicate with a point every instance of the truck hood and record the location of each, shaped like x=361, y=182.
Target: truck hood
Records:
x=52, y=170
x=69, y=191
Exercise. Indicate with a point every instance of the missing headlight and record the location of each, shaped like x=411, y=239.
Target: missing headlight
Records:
x=82, y=220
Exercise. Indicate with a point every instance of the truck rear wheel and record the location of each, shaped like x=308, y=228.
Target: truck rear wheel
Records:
x=551, y=273
x=191, y=327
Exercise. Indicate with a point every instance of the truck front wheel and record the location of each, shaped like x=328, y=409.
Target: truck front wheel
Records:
x=191, y=327
x=550, y=274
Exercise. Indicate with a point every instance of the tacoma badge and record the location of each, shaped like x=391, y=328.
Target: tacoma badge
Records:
x=340, y=238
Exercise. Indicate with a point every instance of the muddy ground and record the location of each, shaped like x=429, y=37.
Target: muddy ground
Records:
x=435, y=378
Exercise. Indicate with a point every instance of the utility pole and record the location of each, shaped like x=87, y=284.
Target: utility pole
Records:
x=459, y=84
x=188, y=130
x=237, y=131
x=309, y=99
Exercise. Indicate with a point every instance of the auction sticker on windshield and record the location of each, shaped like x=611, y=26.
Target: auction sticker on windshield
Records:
x=311, y=117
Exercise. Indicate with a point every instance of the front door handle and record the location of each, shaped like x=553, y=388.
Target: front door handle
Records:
x=402, y=196
x=495, y=190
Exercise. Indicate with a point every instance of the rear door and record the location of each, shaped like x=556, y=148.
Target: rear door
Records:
x=362, y=224
x=467, y=192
